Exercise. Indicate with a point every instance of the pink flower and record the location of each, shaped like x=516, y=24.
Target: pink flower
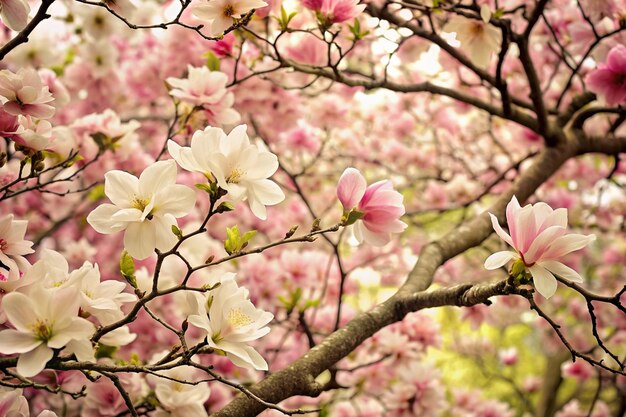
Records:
x=380, y=204
x=335, y=11
x=539, y=235
x=609, y=79
x=24, y=93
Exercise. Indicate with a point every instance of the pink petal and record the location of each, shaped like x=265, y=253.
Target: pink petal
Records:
x=351, y=188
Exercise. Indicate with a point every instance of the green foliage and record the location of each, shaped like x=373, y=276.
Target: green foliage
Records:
x=212, y=61
x=235, y=241
x=127, y=267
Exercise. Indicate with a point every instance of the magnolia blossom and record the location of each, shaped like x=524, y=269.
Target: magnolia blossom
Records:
x=13, y=247
x=146, y=207
x=478, y=39
x=238, y=166
x=177, y=398
x=539, y=235
x=13, y=403
x=335, y=11
x=230, y=321
x=201, y=86
x=609, y=79
x=14, y=13
x=379, y=203
x=44, y=320
x=24, y=93
x=220, y=13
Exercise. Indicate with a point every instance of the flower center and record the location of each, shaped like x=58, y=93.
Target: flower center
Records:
x=3, y=245
x=235, y=176
x=237, y=318
x=229, y=10
x=141, y=204
x=42, y=330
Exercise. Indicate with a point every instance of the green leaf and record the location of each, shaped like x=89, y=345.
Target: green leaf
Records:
x=212, y=61
x=225, y=207
x=204, y=187
x=351, y=217
x=177, y=232
x=235, y=242
x=96, y=193
x=127, y=267
x=105, y=351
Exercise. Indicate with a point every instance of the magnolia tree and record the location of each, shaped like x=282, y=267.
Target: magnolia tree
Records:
x=246, y=207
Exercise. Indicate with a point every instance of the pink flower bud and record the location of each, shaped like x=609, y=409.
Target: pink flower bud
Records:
x=351, y=188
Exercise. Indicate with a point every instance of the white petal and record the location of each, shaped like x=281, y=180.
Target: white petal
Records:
x=544, y=281
x=79, y=329
x=140, y=240
x=157, y=176
x=13, y=341
x=20, y=311
x=101, y=219
x=561, y=270
x=499, y=259
x=31, y=363
x=177, y=200
x=121, y=188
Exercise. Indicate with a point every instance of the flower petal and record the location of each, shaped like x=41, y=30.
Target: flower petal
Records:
x=562, y=270
x=499, y=259
x=121, y=188
x=31, y=363
x=544, y=281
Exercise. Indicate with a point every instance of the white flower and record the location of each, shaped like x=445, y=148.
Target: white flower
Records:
x=44, y=320
x=146, y=208
x=14, y=13
x=179, y=399
x=230, y=321
x=220, y=13
x=478, y=39
x=104, y=299
x=238, y=166
x=13, y=247
x=101, y=56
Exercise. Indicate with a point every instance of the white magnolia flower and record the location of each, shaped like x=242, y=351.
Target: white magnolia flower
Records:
x=44, y=320
x=220, y=13
x=478, y=39
x=239, y=167
x=146, y=207
x=13, y=247
x=103, y=299
x=179, y=399
x=101, y=56
x=230, y=321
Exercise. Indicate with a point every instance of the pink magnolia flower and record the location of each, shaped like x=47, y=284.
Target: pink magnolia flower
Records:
x=24, y=93
x=335, y=11
x=609, y=79
x=539, y=235
x=13, y=247
x=380, y=204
